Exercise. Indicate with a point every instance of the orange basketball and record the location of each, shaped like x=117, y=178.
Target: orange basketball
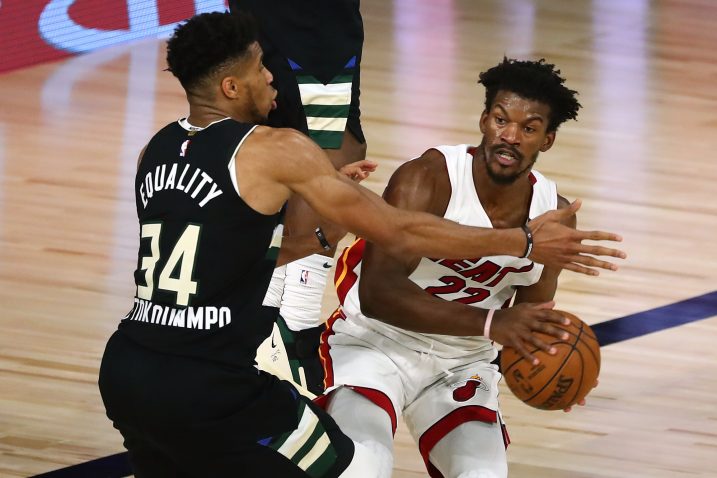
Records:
x=559, y=380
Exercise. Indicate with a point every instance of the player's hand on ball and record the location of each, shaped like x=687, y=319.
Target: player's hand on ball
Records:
x=515, y=326
x=564, y=375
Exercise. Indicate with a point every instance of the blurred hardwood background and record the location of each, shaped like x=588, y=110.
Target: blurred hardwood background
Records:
x=642, y=156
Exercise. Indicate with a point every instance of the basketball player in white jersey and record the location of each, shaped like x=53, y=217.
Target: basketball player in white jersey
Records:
x=401, y=342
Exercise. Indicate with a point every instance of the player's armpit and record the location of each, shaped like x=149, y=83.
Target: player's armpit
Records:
x=542, y=291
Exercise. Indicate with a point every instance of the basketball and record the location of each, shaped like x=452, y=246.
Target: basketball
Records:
x=559, y=380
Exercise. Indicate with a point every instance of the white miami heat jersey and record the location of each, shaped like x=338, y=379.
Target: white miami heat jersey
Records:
x=487, y=282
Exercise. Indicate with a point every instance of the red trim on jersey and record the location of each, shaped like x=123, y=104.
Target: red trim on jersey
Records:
x=433, y=472
x=322, y=401
x=506, y=438
x=532, y=179
x=345, y=277
x=448, y=423
x=324, y=347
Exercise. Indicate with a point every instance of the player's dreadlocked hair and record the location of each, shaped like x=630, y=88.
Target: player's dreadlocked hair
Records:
x=535, y=80
x=206, y=43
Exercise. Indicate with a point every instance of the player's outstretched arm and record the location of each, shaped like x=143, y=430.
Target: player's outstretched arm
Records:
x=295, y=246
x=279, y=161
x=273, y=163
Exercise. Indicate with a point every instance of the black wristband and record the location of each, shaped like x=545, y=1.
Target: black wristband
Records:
x=529, y=239
x=322, y=239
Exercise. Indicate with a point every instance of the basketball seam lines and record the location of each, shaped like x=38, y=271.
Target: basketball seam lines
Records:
x=567, y=356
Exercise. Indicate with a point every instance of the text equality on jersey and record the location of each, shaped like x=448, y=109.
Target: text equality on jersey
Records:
x=202, y=318
x=164, y=177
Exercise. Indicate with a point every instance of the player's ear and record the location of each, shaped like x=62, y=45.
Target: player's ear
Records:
x=548, y=141
x=230, y=87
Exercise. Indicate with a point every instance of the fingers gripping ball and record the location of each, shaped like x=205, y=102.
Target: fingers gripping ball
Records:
x=559, y=380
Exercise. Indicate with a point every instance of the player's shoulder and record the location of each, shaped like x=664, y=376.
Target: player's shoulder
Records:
x=429, y=167
x=438, y=155
x=279, y=145
x=279, y=136
x=421, y=184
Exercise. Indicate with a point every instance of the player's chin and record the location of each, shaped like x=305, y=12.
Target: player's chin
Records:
x=266, y=111
x=502, y=175
x=262, y=118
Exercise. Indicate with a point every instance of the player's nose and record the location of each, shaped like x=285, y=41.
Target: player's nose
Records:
x=509, y=134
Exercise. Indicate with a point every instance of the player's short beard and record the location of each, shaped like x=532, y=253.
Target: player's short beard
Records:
x=254, y=113
x=502, y=179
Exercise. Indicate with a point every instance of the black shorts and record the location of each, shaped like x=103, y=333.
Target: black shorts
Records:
x=317, y=41
x=290, y=112
x=181, y=417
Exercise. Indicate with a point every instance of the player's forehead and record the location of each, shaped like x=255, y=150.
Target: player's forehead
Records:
x=247, y=62
x=507, y=101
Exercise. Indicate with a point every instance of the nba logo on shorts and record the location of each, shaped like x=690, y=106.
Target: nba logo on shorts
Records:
x=304, y=279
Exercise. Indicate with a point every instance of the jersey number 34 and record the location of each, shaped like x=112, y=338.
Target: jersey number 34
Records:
x=181, y=258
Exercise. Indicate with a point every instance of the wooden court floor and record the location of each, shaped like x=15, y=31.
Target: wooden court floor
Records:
x=642, y=156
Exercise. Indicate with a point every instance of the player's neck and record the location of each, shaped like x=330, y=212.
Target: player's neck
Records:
x=202, y=114
x=506, y=205
x=202, y=117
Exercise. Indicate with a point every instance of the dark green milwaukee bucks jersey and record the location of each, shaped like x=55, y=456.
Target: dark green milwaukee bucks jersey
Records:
x=205, y=257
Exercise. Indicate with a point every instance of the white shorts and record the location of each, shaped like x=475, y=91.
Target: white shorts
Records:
x=435, y=395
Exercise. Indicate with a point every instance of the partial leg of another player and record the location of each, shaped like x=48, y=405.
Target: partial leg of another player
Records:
x=472, y=450
x=367, y=425
x=298, y=288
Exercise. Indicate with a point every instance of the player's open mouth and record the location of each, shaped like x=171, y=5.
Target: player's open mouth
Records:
x=506, y=158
